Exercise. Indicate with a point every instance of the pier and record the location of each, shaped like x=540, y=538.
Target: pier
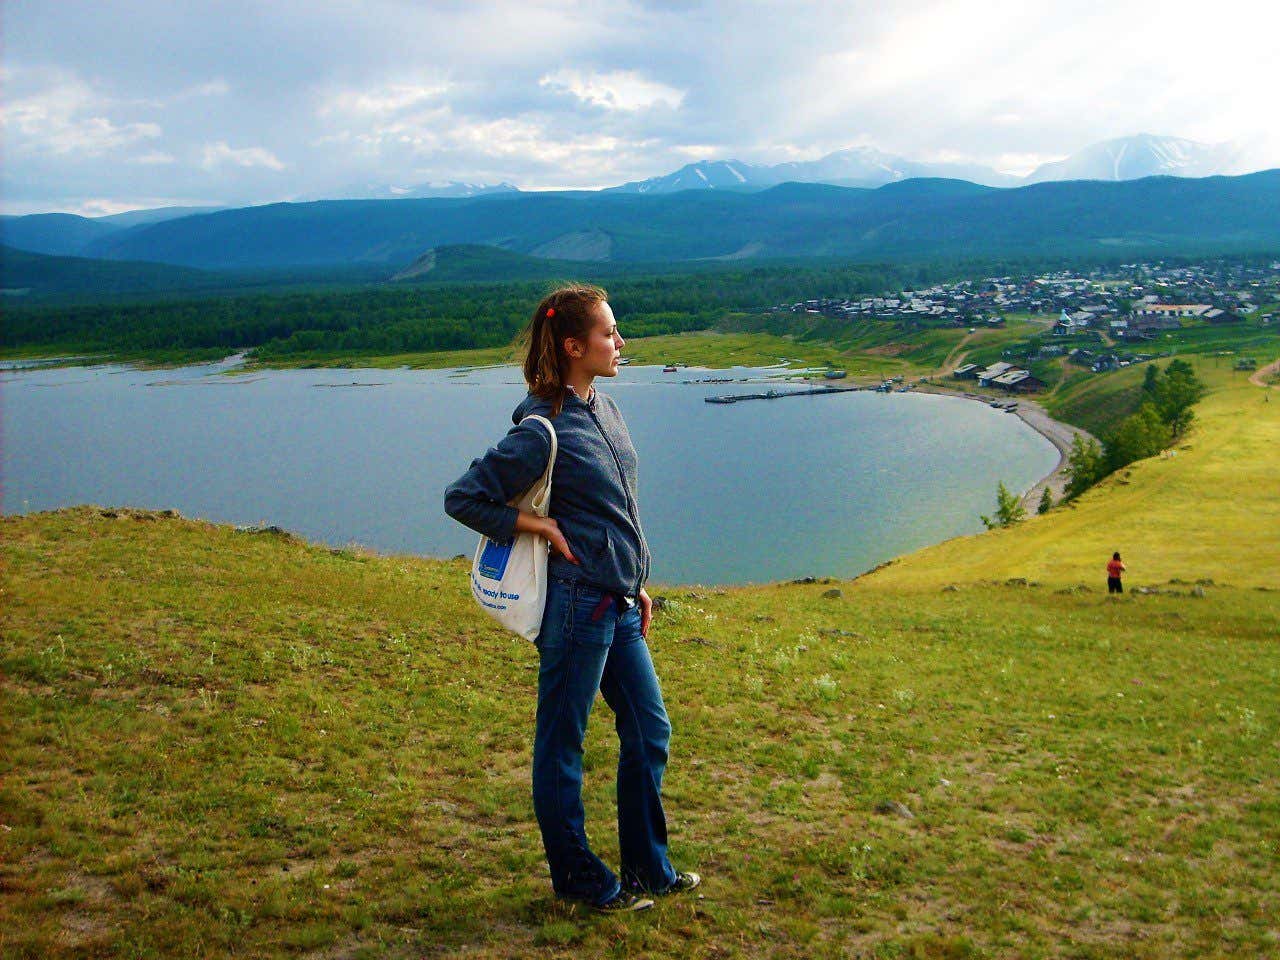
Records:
x=779, y=394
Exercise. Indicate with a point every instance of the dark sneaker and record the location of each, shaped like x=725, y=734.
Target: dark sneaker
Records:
x=683, y=883
x=624, y=902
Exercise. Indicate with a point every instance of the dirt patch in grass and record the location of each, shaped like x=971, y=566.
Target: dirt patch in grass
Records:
x=889, y=350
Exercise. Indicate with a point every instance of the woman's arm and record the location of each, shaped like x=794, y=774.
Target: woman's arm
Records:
x=646, y=611
x=480, y=498
x=546, y=528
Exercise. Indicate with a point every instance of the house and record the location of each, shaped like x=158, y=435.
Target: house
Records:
x=1218, y=315
x=1073, y=323
x=1081, y=356
x=968, y=372
x=1104, y=363
x=1018, y=381
x=993, y=371
x=1170, y=309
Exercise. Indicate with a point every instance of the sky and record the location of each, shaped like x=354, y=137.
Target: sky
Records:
x=110, y=105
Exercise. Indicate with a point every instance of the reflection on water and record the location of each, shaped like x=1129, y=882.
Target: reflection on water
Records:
x=752, y=491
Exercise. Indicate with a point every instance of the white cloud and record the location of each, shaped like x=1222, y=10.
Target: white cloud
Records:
x=1021, y=164
x=153, y=158
x=381, y=101
x=552, y=93
x=617, y=90
x=217, y=154
x=68, y=117
x=214, y=88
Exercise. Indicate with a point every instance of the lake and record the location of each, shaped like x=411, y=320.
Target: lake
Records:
x=747, y=492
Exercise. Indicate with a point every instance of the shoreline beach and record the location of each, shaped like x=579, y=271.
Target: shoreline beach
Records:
x=1037, y=418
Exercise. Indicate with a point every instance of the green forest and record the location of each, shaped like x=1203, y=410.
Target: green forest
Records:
x=403, y=318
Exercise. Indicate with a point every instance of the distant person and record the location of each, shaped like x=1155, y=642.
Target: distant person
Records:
x=598, y=611
x=1115, y=567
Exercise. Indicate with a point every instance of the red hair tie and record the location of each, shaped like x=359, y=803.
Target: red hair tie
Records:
x=551, y=312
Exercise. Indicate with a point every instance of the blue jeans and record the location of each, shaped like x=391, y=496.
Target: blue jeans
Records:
x=588, y=644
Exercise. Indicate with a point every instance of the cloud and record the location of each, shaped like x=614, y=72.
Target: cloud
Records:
x=554, y=93
x=214, y=88
x=381, y=101
x=218, y=154
x=616, y=90
x=68, y=117
x=154, y=158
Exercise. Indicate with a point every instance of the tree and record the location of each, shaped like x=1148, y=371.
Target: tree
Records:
x=1085, y=465
x=1151, y=382
x=1176, y=393
x=1142, y=435
x=1046, y=502
x=1009, y=509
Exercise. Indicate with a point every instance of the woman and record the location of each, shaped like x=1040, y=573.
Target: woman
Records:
x=1115, y=567
x=598, y=612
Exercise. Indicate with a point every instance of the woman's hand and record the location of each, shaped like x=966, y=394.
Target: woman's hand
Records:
x=548, y=529
x=646, y=612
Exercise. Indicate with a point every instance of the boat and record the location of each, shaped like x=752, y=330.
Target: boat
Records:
x=669, y=368
x=836, y=374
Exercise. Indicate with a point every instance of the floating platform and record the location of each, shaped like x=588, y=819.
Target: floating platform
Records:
x=779, y=394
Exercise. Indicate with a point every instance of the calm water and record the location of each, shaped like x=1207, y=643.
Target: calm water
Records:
x=755, y=491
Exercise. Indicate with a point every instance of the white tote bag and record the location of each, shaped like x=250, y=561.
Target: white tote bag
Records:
x=509, y=578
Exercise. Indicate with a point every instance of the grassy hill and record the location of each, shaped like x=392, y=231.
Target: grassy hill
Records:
x=225, y=743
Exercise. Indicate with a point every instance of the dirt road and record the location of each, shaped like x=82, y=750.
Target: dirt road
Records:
x=1259, y=379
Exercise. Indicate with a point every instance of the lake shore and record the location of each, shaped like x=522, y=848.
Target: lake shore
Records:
x=1060, y=434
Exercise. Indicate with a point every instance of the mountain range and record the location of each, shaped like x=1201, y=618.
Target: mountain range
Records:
x=911, y=219
x=1126, y=158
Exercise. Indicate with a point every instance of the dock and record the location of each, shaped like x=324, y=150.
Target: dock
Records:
x=779, y=394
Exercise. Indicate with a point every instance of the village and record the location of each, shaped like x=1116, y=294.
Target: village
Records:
x=1103, y=319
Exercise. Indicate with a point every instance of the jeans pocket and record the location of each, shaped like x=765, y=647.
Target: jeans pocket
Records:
x=593, y=616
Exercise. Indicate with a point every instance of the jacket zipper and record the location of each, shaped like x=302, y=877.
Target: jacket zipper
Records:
x=631, y=509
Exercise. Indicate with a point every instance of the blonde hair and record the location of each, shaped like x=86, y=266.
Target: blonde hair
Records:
x=565, y=312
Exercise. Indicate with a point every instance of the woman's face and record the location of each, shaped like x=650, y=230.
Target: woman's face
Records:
x=596, y=354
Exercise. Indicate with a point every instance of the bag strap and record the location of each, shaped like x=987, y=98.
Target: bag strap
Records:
x=544, y=484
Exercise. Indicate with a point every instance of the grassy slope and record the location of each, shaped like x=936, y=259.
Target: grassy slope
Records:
x=1209, y=511
x=223, y=743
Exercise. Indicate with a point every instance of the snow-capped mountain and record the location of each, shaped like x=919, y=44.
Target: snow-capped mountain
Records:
x=705, y=175
x=1130, y=158
x=854, y=167
x=1126, y=158
x=869, y=167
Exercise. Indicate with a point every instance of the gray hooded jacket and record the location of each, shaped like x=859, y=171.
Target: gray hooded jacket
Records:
x=593, y=490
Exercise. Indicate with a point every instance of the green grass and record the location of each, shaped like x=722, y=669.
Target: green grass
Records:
x=220, y=743
x=433, y=360
x=242, y=744
x=332, y=750
x=1209, y=508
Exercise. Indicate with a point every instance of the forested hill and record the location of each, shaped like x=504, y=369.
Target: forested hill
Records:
x=908, y=220
x=35, y=275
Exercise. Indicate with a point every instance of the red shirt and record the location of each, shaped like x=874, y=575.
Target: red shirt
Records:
x=1114, y=568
